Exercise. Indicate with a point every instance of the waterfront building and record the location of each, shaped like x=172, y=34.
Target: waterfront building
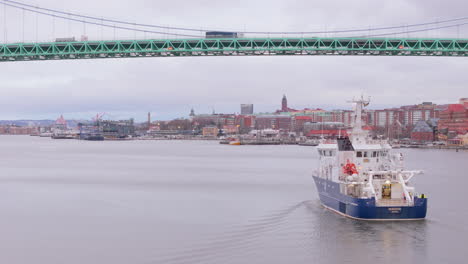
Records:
x=205, y=120
x=18, y=130
x=412, y=114
x=396, y=122
x=218, y=120
x=324, y=129
x=276, y=122
x=299, y=121
x=454, y=120
x=464, y=139
x=116, y=129
x=210, y=131
x=318, y=116
x=179, y=124
x=245, y=123
x=422, y=132
x=60, y=123
x=247, y=109
x=229, y=129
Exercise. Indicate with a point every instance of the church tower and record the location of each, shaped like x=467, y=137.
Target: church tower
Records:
x=284, y=104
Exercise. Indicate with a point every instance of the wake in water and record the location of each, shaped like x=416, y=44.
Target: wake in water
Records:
x=240, y=240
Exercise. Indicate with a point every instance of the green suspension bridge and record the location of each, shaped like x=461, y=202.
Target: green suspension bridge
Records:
x=233, y=47
x=192, y=42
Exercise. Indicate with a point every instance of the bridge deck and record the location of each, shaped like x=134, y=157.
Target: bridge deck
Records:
x=233, y=47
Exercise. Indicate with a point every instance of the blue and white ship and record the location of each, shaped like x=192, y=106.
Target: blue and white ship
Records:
x=361, y=178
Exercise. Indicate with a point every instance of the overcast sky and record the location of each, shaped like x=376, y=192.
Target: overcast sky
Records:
x=169, y=87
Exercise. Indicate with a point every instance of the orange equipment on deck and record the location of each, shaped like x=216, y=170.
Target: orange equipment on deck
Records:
x=349, y=168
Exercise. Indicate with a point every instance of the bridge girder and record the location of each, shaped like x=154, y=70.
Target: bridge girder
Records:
x=233, y=47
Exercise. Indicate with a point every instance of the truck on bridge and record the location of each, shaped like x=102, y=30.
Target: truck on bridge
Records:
x=72, y=39
x=223, y=34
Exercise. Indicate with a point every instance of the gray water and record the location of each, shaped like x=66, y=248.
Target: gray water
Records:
x=68, y=201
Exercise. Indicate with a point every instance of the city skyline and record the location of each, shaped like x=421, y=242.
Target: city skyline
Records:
x=141, y=116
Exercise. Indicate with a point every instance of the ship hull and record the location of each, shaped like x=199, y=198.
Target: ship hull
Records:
x=366, y=209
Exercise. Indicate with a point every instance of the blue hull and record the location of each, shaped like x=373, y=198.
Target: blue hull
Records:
x=330, y=196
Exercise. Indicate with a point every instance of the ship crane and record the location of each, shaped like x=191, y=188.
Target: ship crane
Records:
x=98, y=116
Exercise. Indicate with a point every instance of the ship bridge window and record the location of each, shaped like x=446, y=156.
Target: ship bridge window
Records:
x=359, y=154
x=366, y=154
x=374, y=154
x=383, y=153
x=327, y=153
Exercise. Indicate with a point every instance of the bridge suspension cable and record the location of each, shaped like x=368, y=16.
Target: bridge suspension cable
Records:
x=101, y=20
x=96, y=23
x=411, y=31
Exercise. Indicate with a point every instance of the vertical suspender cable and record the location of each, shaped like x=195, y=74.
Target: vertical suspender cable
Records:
x=23, y=25
x=84, y=29
x=5, y=34
x=37, y=27
x=69, y=26
x=53, y=27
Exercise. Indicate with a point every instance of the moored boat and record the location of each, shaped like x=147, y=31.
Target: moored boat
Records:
x=45, y=134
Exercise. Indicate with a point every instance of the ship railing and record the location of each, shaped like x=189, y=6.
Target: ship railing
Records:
x=371, y=178
x=403, y=177
x=407, y=175
x=405, y=188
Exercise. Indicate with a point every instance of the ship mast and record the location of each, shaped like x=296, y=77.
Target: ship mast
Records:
x=357, y=133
